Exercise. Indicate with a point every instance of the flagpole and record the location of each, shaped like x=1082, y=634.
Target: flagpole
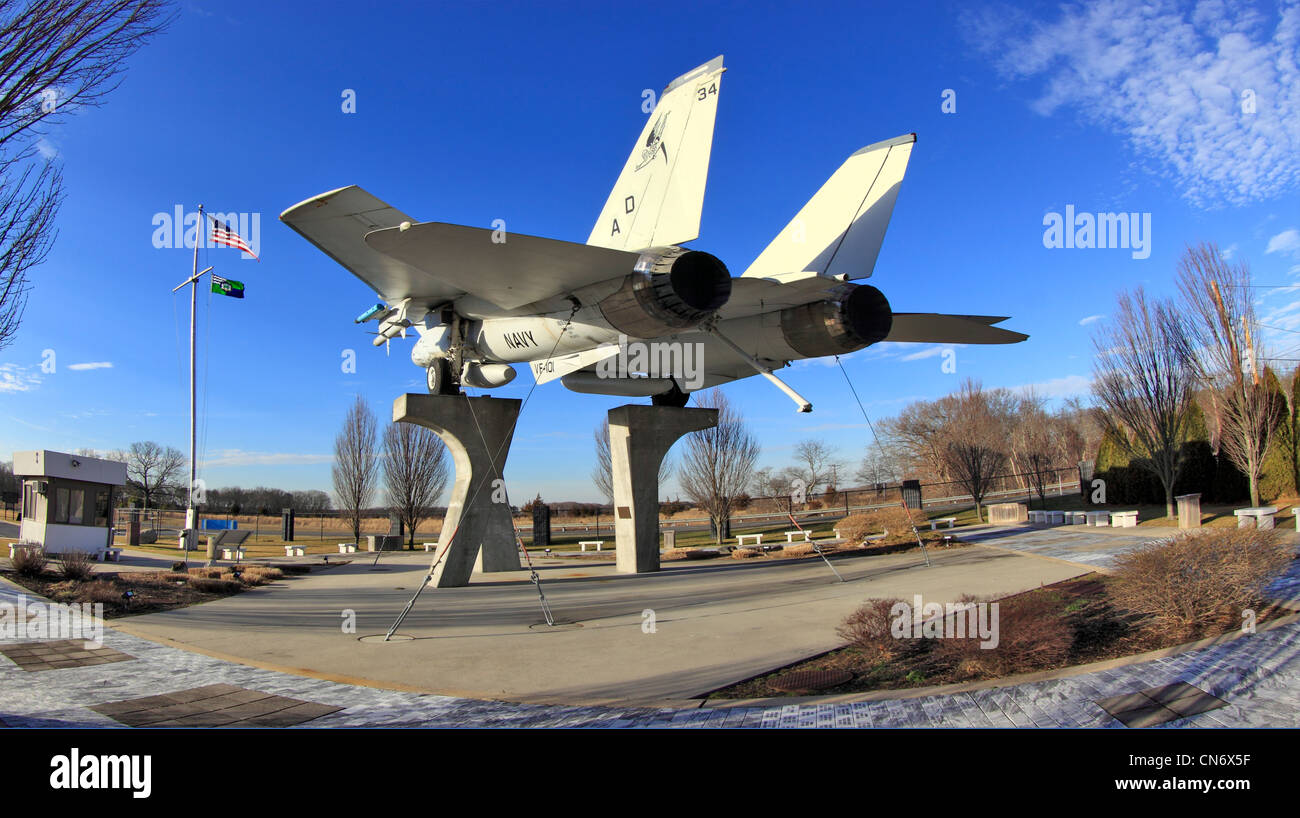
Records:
x=194, y=291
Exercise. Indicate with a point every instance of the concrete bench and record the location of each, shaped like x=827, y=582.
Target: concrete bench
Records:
x=429, y=546
x=1099, y=519
x=112, y=554
x=15, y=547
x=790, y=535
x=1124, y=519
x=1038, y=517
x=232, y=553
x=347, y=548
x=1260, y=517
x=1055, y=517
x=934, y=524
x=295, y=551
x=757, y=538
x=584, y=543
x=1076, y=517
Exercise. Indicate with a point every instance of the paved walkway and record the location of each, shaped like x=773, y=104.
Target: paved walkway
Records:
x=1258, y=676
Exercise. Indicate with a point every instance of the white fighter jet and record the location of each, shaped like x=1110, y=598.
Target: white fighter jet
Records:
x=483, y=300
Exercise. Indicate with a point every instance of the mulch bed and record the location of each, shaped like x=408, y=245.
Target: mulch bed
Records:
x=150, y=592
x=1100, y=632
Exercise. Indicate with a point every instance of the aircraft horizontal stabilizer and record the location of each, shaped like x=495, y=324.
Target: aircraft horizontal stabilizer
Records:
x=936, y=328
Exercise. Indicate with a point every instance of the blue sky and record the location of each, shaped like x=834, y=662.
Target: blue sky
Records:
x=526, y=113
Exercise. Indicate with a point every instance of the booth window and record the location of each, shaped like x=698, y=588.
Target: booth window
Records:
x=76, y=507
x=29, y=501
x=102, y=506
x=60, y=505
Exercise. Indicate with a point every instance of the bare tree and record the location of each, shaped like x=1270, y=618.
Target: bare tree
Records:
x=356, y=464
x=814, y=462
x=1077, y=432
x=718, y=463
x=879, y=466
x=59, y=56
x=415, y=473
x=603, y=474
x=1144, y=383
x=1034, y=443
x=974, y=438
x=153, y=471
x=917, y=435
x=1221, y=331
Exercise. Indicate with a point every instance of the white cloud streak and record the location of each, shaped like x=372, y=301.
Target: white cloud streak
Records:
x=1178, y=82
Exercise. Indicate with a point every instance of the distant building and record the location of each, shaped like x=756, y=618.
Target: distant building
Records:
x=67, y=500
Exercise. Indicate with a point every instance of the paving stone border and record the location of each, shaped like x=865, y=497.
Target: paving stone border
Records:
x=1257, y=677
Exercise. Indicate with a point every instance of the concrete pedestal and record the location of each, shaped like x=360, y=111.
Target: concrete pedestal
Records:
x=1189, y=510
x=639, y=437
x=477, y=432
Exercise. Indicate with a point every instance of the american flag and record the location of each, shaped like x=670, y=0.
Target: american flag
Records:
x=225, y=234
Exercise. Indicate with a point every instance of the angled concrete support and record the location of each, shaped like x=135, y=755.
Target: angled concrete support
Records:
x=639, y=437
x=477, y=432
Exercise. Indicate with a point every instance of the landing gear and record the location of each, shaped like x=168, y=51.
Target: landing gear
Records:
x=439, y=378
x=673, y=397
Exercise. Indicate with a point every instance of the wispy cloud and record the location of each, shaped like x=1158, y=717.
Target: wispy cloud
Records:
x=91, y=365
x=1083, y=322
x=1288, y=241
x=15, y=378
x=1066, y=387
x=928, y=352
x=1205, y=92
x=239, y=457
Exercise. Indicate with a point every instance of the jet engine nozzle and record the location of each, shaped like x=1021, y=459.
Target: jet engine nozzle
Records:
x=852, y=317
x=670, y=289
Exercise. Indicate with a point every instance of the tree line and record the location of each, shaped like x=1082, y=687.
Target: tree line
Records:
x=410, y=461
x=1184, y=388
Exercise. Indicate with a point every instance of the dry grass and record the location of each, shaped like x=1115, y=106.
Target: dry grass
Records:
x=215, y=586
x=159, y=578
x=267, y=573
x=743, y=554
x=107, y=593
x=1200, y=579
x=1032, y=634
x=76, y=565
x=30, y=562
x=894, y=522
x=870, y=628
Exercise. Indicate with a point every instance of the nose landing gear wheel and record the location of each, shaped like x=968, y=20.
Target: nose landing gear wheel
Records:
x=439, y=379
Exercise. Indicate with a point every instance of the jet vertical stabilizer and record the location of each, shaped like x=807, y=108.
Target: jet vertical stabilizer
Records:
x=840, y=230
x=659, y=196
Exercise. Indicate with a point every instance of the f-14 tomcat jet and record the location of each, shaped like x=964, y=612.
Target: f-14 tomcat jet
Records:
x=482, y=300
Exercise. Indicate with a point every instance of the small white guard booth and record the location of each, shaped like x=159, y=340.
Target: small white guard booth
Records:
x=67, y=500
